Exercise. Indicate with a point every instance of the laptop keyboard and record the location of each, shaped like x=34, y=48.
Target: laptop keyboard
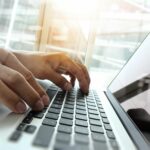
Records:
x=73, y=121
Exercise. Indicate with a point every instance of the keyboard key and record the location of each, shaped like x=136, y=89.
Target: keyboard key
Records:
x=28, y=119
x=110, y=134
x=80, y=138
x=53, y=110
x=21, y=126
x=30, y=129
x=98, y=102
x=61, y=94
x=114, y=144
x=95, y=117
x=95, y=122
x=65, y=129
x=80, y=103
x=52, y=116
x=61, y=146
x=108, y=127
x=38, y=115
x=49, y=122
x=59, y=98
x=92, y=107
x=105, y=120
x=100, y=106
x=71, y=95
x=71, y=99
x=98, y=137
x=103, y=115
x=91, y=104
x=67, y=116
x=15, y=136
x=101, y=110
x=81, y=117
x=100, y=145
x=59, y=102
x=90, y=97
x=69, y=111
x=81, y=100
x=81, y=130
x=80, y=107
x=51, y=93
x=43, y=136
x=97, y=129
x=82, y=112
x=81, y=123
x=69, y=102
x=42, y=111
x=66, y=122
x=95, y=112
x=80, y=146
x=56, y=106
x=62, y=137
x=69, y=106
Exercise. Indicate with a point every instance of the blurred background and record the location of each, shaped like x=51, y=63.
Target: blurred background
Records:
x=104, y=32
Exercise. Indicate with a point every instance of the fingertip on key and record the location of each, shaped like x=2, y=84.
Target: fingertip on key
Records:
x=45, y=100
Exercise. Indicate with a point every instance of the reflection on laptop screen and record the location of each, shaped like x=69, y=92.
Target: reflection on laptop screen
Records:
x=132, y=86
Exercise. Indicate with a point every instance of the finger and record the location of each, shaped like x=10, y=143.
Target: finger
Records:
x=15, y=64
x=78, y=72
x=85, y=72
x=31, y=80
x=59, y=80
x=11, y=100
x=75, y=70
x=21, y=87
x=79, y=61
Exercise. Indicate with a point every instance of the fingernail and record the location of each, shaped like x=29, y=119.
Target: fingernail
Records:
x=39, y=105
x=67, y=86
x=20, y=107
x=45, y=100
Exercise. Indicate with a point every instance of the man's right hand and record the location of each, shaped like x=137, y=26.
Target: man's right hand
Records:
x=18, y=86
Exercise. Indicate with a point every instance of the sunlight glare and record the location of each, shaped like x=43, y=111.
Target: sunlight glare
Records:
x=77, y=7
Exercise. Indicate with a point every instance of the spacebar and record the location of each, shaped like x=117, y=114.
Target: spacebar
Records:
x=43, y=136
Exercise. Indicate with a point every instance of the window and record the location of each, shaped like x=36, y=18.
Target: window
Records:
x=121, y=26
x=104, y=33
x=19, y=23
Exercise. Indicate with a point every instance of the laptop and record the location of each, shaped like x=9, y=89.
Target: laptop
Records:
x=115, y=119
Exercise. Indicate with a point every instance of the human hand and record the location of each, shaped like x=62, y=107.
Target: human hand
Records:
x=18, y=85
x=52, y=66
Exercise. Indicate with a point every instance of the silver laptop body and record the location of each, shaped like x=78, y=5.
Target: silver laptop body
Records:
x=101, y=120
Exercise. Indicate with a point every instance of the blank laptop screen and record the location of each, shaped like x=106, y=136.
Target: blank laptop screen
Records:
x=132, y=86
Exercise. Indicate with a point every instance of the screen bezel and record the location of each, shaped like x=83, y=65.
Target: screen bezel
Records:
x=131, y=128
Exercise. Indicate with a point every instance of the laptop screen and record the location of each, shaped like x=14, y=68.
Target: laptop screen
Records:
x=132, y=86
